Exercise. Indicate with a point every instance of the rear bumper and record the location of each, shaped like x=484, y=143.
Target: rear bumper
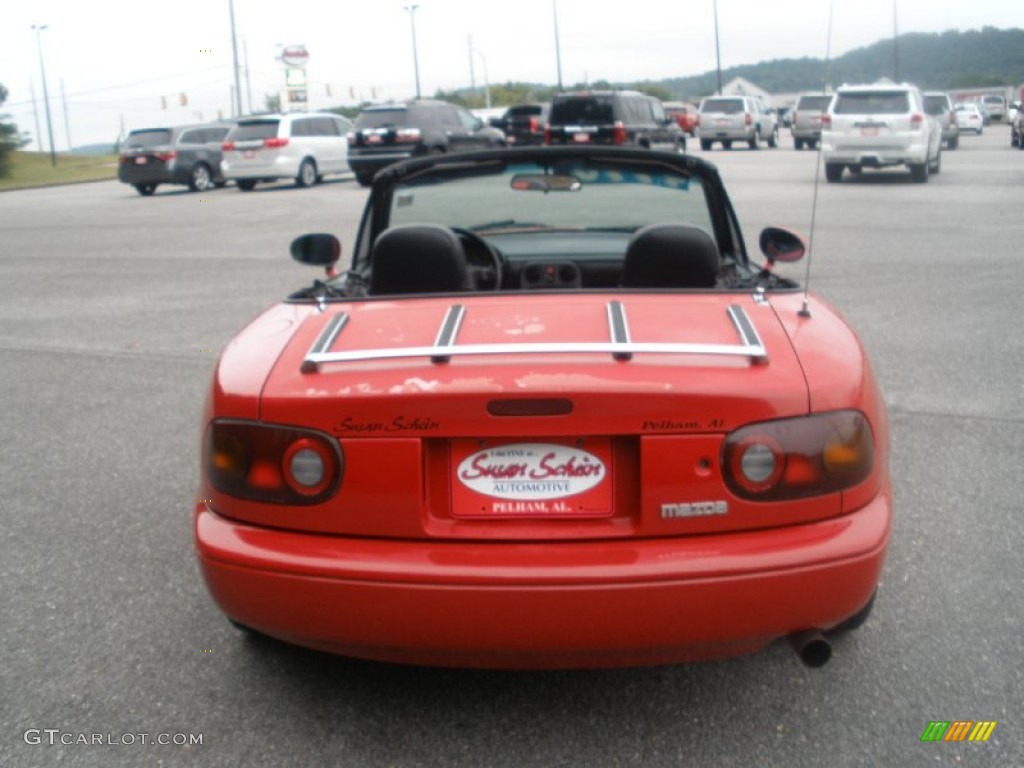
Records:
x=544, y=605
x=727, y=133
x=803, y=132
x=873, y=156
x=372, y=162
x=278, y=168
x=153, y=173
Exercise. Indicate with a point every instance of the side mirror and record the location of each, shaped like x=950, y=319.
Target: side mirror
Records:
x=779, y=244
x=317, y=250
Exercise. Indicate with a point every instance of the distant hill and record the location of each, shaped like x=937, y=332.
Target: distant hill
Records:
x=947, y=61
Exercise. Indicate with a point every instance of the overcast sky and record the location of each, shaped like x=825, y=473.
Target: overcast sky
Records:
x=115, y=61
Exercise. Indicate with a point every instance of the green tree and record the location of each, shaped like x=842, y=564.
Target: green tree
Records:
x=10, y=137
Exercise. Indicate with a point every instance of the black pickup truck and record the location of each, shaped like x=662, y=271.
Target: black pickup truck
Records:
x=523, y=124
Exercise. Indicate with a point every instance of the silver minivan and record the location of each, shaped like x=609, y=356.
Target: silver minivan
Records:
x=300, y=146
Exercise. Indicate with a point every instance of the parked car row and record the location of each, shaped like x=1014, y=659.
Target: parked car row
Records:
x=858, y=127
x=307, y=146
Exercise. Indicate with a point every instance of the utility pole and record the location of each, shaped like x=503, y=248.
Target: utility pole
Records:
x=67, y=120
x=895, y=44
x=46, y=96
x=718, y=50
x=415, y=55
x=234, y=57
x=558, y=47
x=35, y=113
x=248, y=78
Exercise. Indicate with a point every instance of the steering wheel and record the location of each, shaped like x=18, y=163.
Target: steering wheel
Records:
x=487, y=275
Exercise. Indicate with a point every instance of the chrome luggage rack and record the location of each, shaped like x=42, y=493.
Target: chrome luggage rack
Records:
x=619, y=345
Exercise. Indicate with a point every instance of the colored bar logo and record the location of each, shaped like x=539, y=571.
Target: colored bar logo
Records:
x=958, y=730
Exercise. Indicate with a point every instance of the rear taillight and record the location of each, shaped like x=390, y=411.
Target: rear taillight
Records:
x=916, y=121
x=275, y=143
x=826, y=121
x=407, y=135
x=352, y=140
x=547, y=135
x=228, y=146
x=619, y=133
x=796, y=458
x=165, y=156
x=748, y=119
x=534, y=125
x=279, y=465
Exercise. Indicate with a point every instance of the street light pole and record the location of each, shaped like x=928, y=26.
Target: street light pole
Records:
x=46, y=97
x=237, y=101
x=718, y=52
x=415, y=55
x=487, y=82
x=895, y=44
x=558, y=47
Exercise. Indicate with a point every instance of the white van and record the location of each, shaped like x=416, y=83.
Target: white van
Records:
x=300, y=146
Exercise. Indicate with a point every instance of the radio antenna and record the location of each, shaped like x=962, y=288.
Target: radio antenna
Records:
x=805, y=310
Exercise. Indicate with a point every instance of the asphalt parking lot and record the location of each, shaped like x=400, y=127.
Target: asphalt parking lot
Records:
x=113, y=308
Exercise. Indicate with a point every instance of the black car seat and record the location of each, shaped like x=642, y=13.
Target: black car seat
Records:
x=670, y=256
x=418, y=258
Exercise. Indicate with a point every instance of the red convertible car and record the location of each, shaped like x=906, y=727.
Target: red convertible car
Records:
x=552, y=415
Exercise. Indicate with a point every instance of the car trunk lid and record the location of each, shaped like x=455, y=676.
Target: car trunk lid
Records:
x=533, y=418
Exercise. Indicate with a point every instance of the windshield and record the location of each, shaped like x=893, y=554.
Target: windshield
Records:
x=141, y=139
x=583, y=109
x=816, y=103
x=578, y=195
x=383, y=118
x=256, y=129
x=525, y=111
x=726, y=106
x=872, y=103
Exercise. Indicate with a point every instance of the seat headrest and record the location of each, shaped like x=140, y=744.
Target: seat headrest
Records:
x=418, y=258
x=670, y=256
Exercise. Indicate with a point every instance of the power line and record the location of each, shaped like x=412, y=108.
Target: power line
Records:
x=124, y=85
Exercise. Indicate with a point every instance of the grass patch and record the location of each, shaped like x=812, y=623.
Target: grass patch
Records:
x=33, y=169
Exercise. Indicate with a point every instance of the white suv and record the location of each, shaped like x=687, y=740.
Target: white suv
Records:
x=301, y=146
x=875, y=126
x=736, y=118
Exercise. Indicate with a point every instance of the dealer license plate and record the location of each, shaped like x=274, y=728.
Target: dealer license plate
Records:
x=532, y=479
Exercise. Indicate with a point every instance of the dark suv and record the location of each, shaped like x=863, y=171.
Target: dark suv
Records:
x=187, y=154
x=613, y=117
x=524, y=124
x=389, y=133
